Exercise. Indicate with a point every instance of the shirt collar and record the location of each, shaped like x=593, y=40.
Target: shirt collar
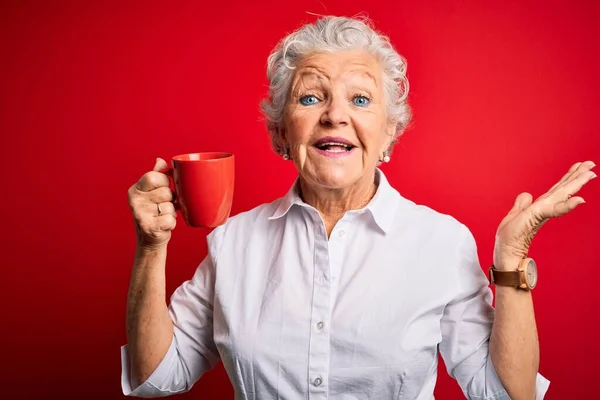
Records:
x=383, y=205
x=286, y=202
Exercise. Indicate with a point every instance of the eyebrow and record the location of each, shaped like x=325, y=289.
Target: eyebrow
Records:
x=314, y=79
x=312, y=74
x=319, y=76
x=365, y=73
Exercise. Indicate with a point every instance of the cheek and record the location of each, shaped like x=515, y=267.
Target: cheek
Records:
x=299, y=126
x=371, y=132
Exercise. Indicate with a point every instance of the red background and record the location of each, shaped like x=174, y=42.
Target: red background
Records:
x=505, y=98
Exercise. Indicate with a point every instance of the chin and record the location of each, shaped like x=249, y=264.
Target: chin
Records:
x=337, y=177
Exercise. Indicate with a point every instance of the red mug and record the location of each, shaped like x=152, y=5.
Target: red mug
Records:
x=203, y=184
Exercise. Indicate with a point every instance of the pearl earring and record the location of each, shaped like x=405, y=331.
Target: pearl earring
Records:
x=386, y=158
x=286, y=156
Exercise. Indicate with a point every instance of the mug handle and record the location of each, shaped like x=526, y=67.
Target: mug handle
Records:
x=169, y=172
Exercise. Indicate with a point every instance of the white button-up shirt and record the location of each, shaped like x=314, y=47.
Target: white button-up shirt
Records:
x=362, y=314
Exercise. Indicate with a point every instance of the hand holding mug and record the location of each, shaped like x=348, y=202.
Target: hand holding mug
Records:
x=154, y=214
x=203, y=188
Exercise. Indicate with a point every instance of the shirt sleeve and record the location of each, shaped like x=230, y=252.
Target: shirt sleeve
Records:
x=466, y=328
x=192, y=351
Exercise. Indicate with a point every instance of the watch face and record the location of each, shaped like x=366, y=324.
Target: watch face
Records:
x=532, y=274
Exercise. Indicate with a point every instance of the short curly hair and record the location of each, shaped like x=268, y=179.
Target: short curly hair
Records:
x=331, y=34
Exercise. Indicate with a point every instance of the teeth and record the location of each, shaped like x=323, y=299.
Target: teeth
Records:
x=334, y=144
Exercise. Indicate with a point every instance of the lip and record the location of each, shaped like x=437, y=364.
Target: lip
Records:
x=335, y=139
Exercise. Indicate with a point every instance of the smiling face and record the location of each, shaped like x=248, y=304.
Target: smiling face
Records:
x=336, y=125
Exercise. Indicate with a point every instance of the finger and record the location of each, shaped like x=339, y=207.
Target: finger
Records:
x=567, y=175
x=522, y=201
x=159, y=164
x=583, y=168
x=573, y=186
x=160, y=195
x=165, y=208
x=166, y=222
x=565, y=207
x=574, y=171
x=152, y=180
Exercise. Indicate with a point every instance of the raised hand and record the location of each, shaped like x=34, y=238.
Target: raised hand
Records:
x=517, y=230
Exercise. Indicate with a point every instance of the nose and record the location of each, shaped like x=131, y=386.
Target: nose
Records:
x=336, y=113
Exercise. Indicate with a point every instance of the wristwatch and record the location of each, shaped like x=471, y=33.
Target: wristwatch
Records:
x=525, y=277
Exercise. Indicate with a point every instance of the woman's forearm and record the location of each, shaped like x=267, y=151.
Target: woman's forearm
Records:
x=149, y=326
x=514, y=346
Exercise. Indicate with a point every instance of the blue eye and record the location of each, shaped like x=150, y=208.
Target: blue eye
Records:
x=361, y=101
x=309, y=100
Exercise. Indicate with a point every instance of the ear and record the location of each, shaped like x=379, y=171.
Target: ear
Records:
x=281, y=138
x=391, y=132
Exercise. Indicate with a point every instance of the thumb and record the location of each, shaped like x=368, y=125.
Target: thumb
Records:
x=522, y=201
x=159, y=164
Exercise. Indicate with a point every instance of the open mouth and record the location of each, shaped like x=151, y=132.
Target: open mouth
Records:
x=334, y=147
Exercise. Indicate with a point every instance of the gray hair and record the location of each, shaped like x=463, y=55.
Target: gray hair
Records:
x=330, y=34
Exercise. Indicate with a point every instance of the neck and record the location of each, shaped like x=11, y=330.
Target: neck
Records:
x=333, y=203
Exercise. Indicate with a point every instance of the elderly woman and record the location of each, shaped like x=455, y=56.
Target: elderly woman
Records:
x=341, y=289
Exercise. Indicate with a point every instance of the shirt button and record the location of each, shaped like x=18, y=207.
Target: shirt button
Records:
x=342, y=233
x=320, y=325
x=318, y=381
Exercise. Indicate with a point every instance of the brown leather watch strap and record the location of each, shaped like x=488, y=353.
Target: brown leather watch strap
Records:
x=504, y=278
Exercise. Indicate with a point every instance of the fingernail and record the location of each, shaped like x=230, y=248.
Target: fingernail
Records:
x=581, y=201
x=594, y=176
